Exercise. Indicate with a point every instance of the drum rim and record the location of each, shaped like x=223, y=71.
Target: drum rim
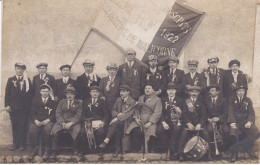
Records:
x=193, y=144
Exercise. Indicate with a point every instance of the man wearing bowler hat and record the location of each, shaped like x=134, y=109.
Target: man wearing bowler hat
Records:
x=64, y=81
x=86, y=80
x=18, y=95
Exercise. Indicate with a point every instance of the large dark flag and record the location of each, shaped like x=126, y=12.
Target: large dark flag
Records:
x=174, y=33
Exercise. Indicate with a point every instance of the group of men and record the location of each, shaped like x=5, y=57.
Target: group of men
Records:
x=145, y=109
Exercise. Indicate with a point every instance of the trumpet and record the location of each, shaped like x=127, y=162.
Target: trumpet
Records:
x=215, y=137
x=175, y=116
x=90, y=135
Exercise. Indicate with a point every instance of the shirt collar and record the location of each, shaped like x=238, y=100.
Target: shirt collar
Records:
x=110, y=77
x=44, y=75
x=173, y=70
x=235, y=73
x=96, y=99
x=125, y=99
x=17, y=77
x=214, y=98
x=65, y=78
x=171, y=97
x=194, y=100
x=45, y=99
x=69, y=101
x=153, y=70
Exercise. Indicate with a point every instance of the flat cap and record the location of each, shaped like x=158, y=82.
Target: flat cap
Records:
x=70, y=89
x=65, y=66
x=18, y=64
x=95, y=88
x=152, y=57
x=42, y=64
x=43, y=86
x=174, y=59
x=190, y=88
x=149, y=84
x=233, y=62
x=112, y=65
x=193, y=62
x=171, y=85
x=88, y=62
x=241, y=86
x=124, y=87
x=213, y=59
x=213, y=86
x=130, y=51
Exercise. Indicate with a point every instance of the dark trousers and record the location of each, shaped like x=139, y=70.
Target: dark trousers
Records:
x=19, y=120
x=117, y=130
x=44, y=131
x=168, y=139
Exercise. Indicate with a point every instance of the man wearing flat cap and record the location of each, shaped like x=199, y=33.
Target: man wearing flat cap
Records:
x=131, y=74
x=213, y=74
x=233, y=77
x=86, y=80
x=64, y=81
x=109, y=85
x=170, y=124
x=43, y=78
x=155, y=75
x=68, y=115
x=96, y=112
x=194, y=118
x=241, y=117
x=175, y=75
x=122, y=114
x=18, y=95
x=193, y=78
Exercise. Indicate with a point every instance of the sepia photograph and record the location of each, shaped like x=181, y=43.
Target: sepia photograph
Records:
x=130, y=81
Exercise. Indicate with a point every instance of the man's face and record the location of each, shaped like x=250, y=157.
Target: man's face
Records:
x=130, y=57
x=213, y=65
x=89, y=69
x=172, y=64
x=241, y=92
x=213, y=92
x=19, y=71
x=171, y=92
x=124, y=93
x=148, y=90
x=112, y=72
x=234, y=68
x=153, y=63
x=42, y=69
x=193, y=68
x=70, y=96
x=65, y=72
x=45, y=92
x=94, y=93
x=194, y=93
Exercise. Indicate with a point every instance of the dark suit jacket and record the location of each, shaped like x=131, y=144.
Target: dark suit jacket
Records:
x=198, y=116
x=133, y=77
x=240, y=112
x=229, y=80
x=17, y=98
x=82, y=87
x=179, y=79
x=158, y=79
x=218, y=110
x=41, y=111
x=37, y=82
x=98, y=111
x=61, y=86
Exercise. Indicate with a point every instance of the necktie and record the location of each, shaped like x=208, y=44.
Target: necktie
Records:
x=70, y=104
x=171, y=71
x=171, y=99
x=41, y=76
x=44, y=101
x=240, y=99
x=94, y=101
x=213, y=101
x=145, y=98
x=235, y=77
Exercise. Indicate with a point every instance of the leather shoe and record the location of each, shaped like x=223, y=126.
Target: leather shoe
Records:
x=234, y=157
x=33, y=153
x=102, y=145
x=115, y=154
x=22, y=148
x=46, y=155
x=14, y=147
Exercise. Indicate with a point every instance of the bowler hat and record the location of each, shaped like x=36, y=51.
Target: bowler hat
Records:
x=95, y=88
x=190, y=88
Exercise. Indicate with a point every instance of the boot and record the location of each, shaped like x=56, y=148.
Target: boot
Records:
x=234, y=156
x=33, y=153
x=46, y=154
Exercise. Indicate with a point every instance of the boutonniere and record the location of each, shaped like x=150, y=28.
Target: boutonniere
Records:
x=246, y=104
x=190, y=105
x=127, y=106
x=159, y=76
x=197, y=105
x=14, y=82
x=124, y=70
x=49, y=111
x=45, y=107
x=73, y=105
x=135, y=71
x=46, y=80
x=174, y=102
x=166, y=104
x=148, y=76
x=96, y=104
x=173, y=77
x=89, y=107
x=235, y=102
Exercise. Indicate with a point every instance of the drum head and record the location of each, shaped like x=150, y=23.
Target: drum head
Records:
x=191, y=143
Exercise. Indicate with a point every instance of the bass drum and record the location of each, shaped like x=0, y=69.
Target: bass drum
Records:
x=195, y=148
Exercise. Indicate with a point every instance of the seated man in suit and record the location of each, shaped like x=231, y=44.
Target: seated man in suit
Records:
x=170, y=124
x=63, y=82
x=95, y=116
x=241, y=117
x=68, y=115
x=122, y=114
x=43, y=118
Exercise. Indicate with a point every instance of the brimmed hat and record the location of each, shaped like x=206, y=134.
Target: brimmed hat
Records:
x=43, y=86
x=213, y=86
x=150, y=84
x=130, y=51
x=88, y=62
x=65, y=66
x=42, y=64
x=171, y=85
x=193, y=62
x=152, y=57
x=174, y=59
x=213, y=59
x=241, y=87
x=70, y=89
x=112, y=65
x=124, y=87
x=233, y=62
x=190, y=88
x=95, y=88
x=18, y=64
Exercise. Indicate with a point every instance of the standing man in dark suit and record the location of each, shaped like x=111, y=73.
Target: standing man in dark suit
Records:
x=43, y=78
x=155, y=75
x=43, y=118
x=170, y=124
x=131, y=74
x=233, y=77
x=109, y=85
x=64, y=81
x=18, y=95
x=175, y=75
x=241, y=117
x=86, y=80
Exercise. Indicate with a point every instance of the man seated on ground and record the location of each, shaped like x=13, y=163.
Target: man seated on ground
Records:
x=122, y=114
x=43, y=118
x=68, y=115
